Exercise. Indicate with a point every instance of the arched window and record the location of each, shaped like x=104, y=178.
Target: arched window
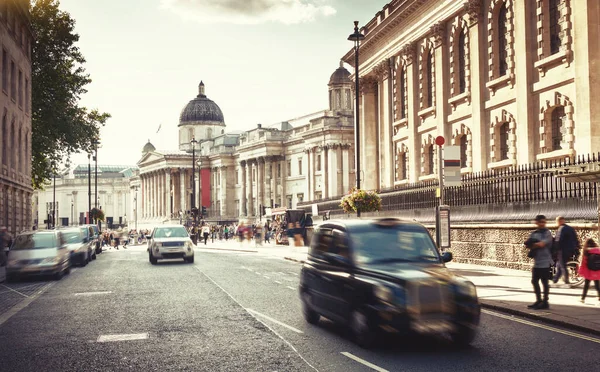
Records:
x=463, y=151
x=348, y=99
x=558, y=127
x=462, y=68
x=430, y=159
x=402, y=167
x=402, y=94
x=555, y=29
x=429, y=73
x=502, y=41
x=504, y=131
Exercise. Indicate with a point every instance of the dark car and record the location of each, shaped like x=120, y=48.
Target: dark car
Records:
x=385, y=276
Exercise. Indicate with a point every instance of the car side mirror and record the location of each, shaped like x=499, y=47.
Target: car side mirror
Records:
x=447, y=257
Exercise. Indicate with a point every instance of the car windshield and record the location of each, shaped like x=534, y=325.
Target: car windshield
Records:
x=72, y=236
x=374, y=244
x=34, y=241
x=170, y=232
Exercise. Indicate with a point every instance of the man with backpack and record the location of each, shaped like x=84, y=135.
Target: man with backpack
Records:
x=540, y=249
x=566, y=245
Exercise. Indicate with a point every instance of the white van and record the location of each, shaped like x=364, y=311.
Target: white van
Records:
x=39, y=253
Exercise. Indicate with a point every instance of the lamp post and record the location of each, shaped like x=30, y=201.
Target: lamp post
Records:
x=193, y=143
x=357, y=37
x=89, y=219
x=95, y=143
x=54, y=195
x=135, y=206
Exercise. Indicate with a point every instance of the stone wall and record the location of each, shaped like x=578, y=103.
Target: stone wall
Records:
x=500, y=245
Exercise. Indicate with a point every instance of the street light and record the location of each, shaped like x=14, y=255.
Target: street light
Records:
x=135, y=206
x=357, y=37
x=54, y=195
x=89, y=218
x=193, y=143
x=95, y=142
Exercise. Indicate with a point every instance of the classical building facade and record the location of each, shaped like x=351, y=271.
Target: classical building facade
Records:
x=239, y=174
x=15, y=115
x=511, y=82
x=116, y=196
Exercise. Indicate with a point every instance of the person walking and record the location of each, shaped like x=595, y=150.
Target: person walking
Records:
x=589, y=248
x=205, y=232
x=540, y=245
x=567, y=246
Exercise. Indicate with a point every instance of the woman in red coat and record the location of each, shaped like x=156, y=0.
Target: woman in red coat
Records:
x=590, y=247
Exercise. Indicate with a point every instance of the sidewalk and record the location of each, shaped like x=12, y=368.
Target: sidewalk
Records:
x=511, y=291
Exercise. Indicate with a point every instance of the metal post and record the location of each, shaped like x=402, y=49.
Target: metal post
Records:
x=89, y=218
x=356, y=37
x=441, y=174
x=96, y=176
x=54, y=200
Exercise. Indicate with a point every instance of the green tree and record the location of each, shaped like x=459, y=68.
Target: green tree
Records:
x=61, y=126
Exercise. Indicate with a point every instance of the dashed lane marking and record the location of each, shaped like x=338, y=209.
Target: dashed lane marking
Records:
x=292, y=288
x=363, y=362
x=278, y=282
x=274, y=321
x=266, y=277
x=549, y=328
x=92, y=293
x=123, y=337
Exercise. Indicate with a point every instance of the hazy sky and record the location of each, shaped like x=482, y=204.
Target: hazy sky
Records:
x=262, y=61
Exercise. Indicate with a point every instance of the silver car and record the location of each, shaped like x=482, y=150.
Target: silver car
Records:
x=78, y=244
x=170, y=241
x=39, y=253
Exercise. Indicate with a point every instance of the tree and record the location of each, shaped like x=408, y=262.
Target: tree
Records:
x=60, y=126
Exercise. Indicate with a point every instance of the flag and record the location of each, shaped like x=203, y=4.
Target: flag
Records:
x=159, y=126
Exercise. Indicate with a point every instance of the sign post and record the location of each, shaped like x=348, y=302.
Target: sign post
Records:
x=442, y=226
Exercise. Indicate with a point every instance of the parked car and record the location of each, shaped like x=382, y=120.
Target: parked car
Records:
x=385, y=275
x=78, y=245
x=39, y=253
x=171, y=241
x=95, y=242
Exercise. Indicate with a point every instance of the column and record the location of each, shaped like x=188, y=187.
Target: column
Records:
x=282, y=195
x=309, y=180
x=369, y=151
x=325, y=172
x=169, y=200
x=152, y=194
x=479, y=127
x=340, y=189
x=223, y=190
x=260, y=184
x=313, y=173
x=243, y=198
x=250, y=187
x=160, y=193
x=182, y=193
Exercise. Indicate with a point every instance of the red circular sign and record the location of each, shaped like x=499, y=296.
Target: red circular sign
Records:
x=439, y=140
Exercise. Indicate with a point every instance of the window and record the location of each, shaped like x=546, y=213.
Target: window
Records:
x=348, y=99
x=462, y=68
x=402, y=171
x=430, y=159
x=321, y=243
x=340, y=244
x=20, y=82
x=318, y=163
x=555, y=30
x=299, y=167
x=429, y=72
x=558, y=127
x=504, y=141
x=13, y=81
x=4, y=71
x=318, y=195
x=403, y=94
x=5, y=139
x=300, y=197
x=331, y=99
x=190, y=134
x=502, y=41
x=27, y=96
x=463, y=151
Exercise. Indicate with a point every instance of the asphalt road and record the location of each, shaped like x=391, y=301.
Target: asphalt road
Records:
x=235, y=312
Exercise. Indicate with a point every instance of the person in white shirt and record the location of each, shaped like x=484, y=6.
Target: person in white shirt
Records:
x=205, y=232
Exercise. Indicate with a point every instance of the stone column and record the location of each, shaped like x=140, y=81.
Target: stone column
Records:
x=268, y=195
x=223, y=190
x=243, y=207
x=169, y=200
x=340, y=187
x=182, y=190
x=325, y=171
x=369, y=151
x=260, y=184
x=283, y=196
x=152, y=196
x=250, y=187
x=309, y=181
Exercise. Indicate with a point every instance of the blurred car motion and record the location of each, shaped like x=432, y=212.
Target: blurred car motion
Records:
x=385, y=276
x=168, y=242
x=39, y=253
x=78, y=244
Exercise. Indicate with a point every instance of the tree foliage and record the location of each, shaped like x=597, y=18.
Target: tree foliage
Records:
x=361, y=200
x=97, y=214
x=61, y=126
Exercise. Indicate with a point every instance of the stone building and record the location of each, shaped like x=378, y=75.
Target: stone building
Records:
x=116, y=196
x=15, y=115
x=239, y=174
x=510, y=82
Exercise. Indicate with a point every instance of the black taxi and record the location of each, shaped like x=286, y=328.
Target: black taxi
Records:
x=385, y=275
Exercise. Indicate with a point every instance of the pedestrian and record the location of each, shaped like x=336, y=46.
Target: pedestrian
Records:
x=567, y=246
x=589, y=248
x=205, y=232
x=540, y=245
x=226, y=232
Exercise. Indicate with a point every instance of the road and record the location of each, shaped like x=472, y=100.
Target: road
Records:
x=233, y=311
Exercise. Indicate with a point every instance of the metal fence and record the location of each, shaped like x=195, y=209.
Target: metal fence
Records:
x=509, y=194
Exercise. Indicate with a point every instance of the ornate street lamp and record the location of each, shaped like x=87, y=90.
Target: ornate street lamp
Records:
x=89, y=219
x=54, y=195
x=357, y=37
x=193, y=143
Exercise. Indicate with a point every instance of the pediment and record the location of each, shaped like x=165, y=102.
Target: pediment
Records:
x=149, y=158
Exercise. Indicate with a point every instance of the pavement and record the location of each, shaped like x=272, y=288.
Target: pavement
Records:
x=237, y=309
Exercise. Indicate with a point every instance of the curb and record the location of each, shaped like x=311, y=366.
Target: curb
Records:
x=542, y=319
x=520, y=313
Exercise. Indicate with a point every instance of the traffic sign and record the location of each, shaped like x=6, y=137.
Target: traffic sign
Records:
x=439, y=140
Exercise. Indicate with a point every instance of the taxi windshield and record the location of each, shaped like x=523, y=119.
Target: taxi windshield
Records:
x=171, y=232
x=374, y=244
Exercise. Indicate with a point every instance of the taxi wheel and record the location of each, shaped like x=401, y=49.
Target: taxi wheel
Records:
x=152, y=260
x=190, y=260
x=463, y=336
x=362, y=331
x=58, y=275
x=310, y=315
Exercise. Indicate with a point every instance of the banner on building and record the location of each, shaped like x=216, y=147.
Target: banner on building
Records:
x=452, y=166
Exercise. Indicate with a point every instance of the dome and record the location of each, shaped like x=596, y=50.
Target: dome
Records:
x=148, y=147
x=340, y=76
x=201, y=109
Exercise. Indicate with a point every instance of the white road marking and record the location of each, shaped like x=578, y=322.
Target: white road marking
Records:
x=266, y=277
x=92, y=293
x=292, y=288
x=23, y=304
x=123, y=337
x=279, y=272
x=10, y=289
x=274, y=321
x=548, y=328
x=257, y=273
x=257, y=319
x=277, y=282
x=364, y=362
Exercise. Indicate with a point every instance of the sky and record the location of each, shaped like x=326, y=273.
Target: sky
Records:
x=263, y=61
